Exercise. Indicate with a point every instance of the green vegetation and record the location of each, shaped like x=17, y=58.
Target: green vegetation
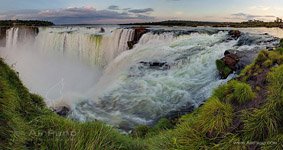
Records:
x=9, y=23
x=248, y=108
x=143, y=131
x=250, y=23
x=215, y=117
x=223, y=69
x=242, y=93
x=235, y=92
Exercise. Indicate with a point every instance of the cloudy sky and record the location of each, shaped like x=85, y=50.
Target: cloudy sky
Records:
x=126, y=11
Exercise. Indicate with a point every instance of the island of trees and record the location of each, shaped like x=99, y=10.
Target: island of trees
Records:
x=9, y=23
x=250, y=23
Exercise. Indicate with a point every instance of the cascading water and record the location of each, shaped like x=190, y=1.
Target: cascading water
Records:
x=132, y=92
x=12, y=37
x=100, y=78
x=89, y=45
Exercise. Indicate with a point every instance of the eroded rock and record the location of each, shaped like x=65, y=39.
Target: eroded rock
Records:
x=139, y=31
x=62, y=110
x=156, y=65
x=235, y=34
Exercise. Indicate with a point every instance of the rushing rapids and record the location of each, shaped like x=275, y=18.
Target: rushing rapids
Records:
x=98, y=76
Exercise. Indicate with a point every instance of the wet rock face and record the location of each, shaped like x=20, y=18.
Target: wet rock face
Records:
x=137, y=35
x=234, y=60
x=234, y=34
x=3, y=36
x=62, y=111
x=230, y=59
x=23, y=33
x=102, y=30
x=156, y=65
x=227, y=64
x=245, y=58
x=30, y=32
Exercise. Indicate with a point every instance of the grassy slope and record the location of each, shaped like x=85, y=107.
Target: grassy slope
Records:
x=27, y=123
x=248, y=108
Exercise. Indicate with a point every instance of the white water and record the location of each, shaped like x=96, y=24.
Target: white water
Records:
x=12, y=37
x=100, y=78
x=90, y=46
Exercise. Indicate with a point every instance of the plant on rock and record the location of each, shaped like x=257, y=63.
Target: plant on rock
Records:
x=223, y=69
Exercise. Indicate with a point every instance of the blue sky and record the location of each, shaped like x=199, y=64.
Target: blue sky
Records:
x=124, y=11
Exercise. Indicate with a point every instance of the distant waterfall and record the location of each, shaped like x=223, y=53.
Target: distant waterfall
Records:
x=94, y=48
x=19, y=36
x=152, y=37
x=12, y=37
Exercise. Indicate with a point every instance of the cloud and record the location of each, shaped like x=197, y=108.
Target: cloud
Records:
x=78, y=15
x=114, y=7
x=146, y=10
x=261, y=8
x=244, y=16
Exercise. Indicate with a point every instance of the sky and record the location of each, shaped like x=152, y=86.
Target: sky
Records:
x=130, y=11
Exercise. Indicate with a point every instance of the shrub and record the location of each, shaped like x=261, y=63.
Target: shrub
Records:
x=141, y=131
x=37, y=100
x=280, y=50
x=275, y=89
x=281, y=43
x=222, y=91
x=163, y=124
x=260, y=124
x=187, y=136
x=276, y=57
x=162, y=141
x=247, y=70
x=215, y=117
x=262, y=56
x=242, y=93
x=274, y=143
x=230, y=142
x=234, y=92
x=268, y=63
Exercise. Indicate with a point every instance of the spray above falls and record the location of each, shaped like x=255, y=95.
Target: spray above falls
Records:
x=99, y=77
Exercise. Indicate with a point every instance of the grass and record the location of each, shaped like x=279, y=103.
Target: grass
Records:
x=274, y=143
x=262, y=56
x=266, y=122
x=259, y=124
x=143, y=131
x=234, y=92
x=268, y=63
x=215, y=117
x=242, y=93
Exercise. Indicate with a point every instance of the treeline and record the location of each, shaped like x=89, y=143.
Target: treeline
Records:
x=5, y=23
x=251, y=23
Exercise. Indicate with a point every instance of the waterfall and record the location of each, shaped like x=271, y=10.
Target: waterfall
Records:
x=132, y=93
x=19, y=36
x=100, y=78
x=12, y=37
x=150, y=37
x=92, y=47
